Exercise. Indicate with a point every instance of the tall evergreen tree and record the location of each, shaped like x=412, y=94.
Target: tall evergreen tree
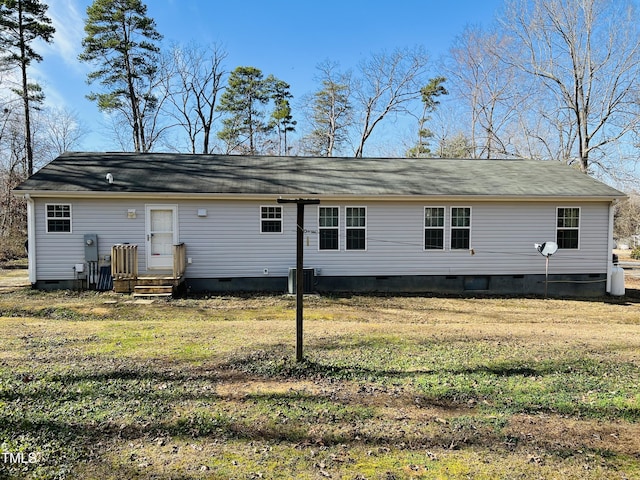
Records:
x=242, y=102
x=121, y=42
x=281, y=117
x=22, y=22
x=428, y=94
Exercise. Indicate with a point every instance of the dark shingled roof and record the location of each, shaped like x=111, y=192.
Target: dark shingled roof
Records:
x=263, y=175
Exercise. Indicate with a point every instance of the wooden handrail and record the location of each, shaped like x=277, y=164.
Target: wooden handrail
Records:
x=124, y=261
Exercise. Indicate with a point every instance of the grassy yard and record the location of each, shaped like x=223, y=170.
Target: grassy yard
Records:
x=97, y=386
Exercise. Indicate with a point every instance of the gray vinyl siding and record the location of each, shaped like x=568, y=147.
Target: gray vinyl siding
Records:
x=57, y=253
x=227, y=242
x=502, y=238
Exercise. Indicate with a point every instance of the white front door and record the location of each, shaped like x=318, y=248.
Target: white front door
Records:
x=162, y=234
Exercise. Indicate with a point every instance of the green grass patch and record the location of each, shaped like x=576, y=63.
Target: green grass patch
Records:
x=94, y=386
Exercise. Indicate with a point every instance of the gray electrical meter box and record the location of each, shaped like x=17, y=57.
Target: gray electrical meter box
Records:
x=91, y=247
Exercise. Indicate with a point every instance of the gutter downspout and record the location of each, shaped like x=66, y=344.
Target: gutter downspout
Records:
x=31, y=237
x=610, y=246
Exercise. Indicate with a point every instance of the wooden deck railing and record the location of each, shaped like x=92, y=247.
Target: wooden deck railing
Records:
x=179, y=260
x=124, y=261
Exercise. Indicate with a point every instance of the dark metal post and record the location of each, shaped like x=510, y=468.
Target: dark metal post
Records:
x=299, y=269
x=299, y=280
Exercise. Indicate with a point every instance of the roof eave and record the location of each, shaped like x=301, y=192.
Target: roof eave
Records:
x=327, y=197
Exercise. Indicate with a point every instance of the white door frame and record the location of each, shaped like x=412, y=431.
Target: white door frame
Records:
x=160, y=261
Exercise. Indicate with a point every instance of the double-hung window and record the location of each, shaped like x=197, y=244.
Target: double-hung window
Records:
x=460, y=228
x=434, y=228
x=328, y=228
x=568, y=227
x=271, y=219
x=356, y=228
x=58, y=218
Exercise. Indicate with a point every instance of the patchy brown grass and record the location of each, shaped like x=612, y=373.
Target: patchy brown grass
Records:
x=13, y=278
x=99, y=386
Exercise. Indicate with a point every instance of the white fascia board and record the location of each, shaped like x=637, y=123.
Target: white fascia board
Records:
x=334, y=198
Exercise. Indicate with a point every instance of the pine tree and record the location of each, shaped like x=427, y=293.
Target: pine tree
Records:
x=428, y=93
x=281, y=117
x=22, y=22
x=121, y=42
x=242, y=101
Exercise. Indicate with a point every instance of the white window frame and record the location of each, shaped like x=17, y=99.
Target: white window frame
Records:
x=425, y=227
x=266, y=219
x=451, y=228
x=329, y=228
x=47, y=217
x=569, y=228
x=347, y=228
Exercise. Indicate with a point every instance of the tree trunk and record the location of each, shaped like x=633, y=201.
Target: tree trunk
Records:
x=25, y=95
x=138, y=135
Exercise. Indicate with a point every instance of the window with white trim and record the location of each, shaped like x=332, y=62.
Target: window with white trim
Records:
x=568, y=227
x=460, y=228
x=328, y=228
x=434, y=228
x=58, y=218
x=271, y=219
x=356, y=228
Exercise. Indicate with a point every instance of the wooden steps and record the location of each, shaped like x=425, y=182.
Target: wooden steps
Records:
x=153, y=291
x=150, y=286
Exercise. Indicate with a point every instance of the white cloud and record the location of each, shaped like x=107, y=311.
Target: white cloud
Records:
x=68, y=19
x=61, y=75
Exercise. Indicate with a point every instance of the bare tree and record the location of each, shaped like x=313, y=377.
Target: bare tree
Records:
x=13, y=148
x=488, y=87
x=13, y=170
x=627, y=217
x=543, y=129
x=455, y=146
x=54, y=131
x=388, y=83
x=61, y=131
x=193, y=76
x=586, y=56
x=329, y=111
x=5, y=114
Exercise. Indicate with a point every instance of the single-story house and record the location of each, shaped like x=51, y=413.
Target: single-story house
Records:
x=381, y=225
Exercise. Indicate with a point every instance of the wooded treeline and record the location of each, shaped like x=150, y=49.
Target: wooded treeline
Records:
x=550, y=79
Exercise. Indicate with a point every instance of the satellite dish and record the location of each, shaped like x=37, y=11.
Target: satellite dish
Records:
x=547, y=248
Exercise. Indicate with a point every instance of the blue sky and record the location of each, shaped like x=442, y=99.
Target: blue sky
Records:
x=287, y=38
